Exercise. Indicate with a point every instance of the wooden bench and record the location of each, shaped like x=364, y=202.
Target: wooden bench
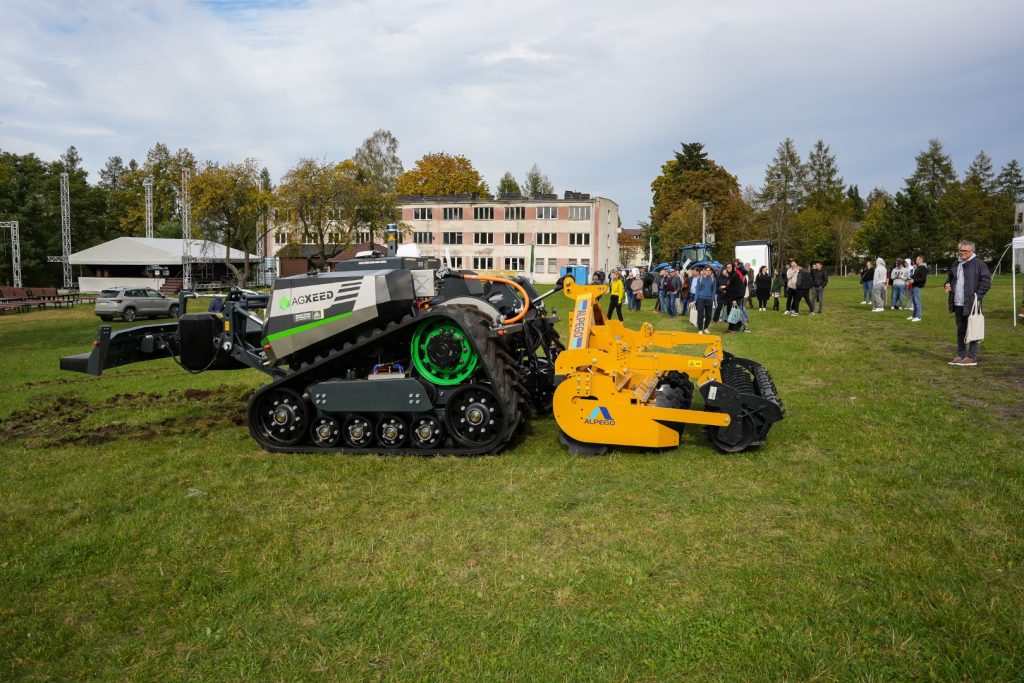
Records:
x=48, y=296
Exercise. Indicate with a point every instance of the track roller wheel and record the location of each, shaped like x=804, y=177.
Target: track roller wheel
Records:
x=475, y=417
x=357, y=431
x=325, y=432
x=391, y=431
x=279, y=418
x=427, y=432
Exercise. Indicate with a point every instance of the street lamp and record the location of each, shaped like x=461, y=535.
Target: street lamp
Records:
x=704, y=221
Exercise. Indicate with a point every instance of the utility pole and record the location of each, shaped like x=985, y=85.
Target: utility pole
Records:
x=148, y=184
x=704, y=221
x=186, y=233
x=15, y=251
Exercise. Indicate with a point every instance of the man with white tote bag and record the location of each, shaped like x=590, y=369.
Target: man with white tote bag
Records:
x=968, y=281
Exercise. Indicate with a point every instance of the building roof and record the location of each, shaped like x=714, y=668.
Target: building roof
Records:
x=152, y=251
x=470, y=198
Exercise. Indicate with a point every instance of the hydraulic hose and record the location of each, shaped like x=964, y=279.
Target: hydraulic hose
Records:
x=522, y=292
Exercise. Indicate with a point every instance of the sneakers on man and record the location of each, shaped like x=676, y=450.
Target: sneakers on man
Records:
x=915, y=320
x=966, y=362
x=795, y=313
x=863, y=302
x=956, y=360
x=910, y=317
x=877, y=310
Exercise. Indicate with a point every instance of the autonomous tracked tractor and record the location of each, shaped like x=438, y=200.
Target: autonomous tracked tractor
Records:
x=617, y=388
x=391, y=354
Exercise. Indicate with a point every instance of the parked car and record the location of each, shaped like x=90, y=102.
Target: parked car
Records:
x=129, y=303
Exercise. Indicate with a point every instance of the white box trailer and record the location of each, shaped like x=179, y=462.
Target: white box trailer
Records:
x=757, y=253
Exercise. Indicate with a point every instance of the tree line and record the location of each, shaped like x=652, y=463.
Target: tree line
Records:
x=810, y=214
x=323, y=203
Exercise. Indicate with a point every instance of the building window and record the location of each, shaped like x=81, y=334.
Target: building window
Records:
x=363, y=236
x=547, y=213
x=579, y=239
x=514, y=263
x=552, y=265
x=483, y=213
x=453, y=238
x=538, y=266
x=579, y=213
x=423, y=237
x=483, y=238
x=547, y=238
x=515, y=238
x=423, y=214
x=456, y=262
x=585, y=262
x=483, y=263
x=515, y=213
x=280, y=237
x=453, y=213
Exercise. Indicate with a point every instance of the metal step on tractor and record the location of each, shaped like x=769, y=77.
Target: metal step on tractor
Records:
x=400, y=354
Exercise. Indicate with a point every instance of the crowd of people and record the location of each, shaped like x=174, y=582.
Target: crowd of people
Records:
x=901, y=284
x=727, y=294
x=720, y=295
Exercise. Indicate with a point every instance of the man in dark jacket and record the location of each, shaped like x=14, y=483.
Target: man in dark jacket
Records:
x=819, y=281
x=918, y=280
x=968, y=278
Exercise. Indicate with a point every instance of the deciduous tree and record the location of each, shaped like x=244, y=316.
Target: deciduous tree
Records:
x=440, y=174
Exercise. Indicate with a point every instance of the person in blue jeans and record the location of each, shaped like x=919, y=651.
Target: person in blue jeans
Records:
x=671, y=283
x=918, y=279
x=703, y=290
x=867, y=281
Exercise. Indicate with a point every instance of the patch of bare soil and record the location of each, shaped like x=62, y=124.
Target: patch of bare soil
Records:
x=59, y=422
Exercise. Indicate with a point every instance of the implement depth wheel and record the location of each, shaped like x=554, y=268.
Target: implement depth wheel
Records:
x=441, y=352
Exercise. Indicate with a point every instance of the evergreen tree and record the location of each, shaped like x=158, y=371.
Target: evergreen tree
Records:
x=782, y=196
x=508, y=187
x=933, y=172
x=1010, y=182
x=692, y=158
x=822, y=183
x=980, y=172
x=857, y=205
x=537, y=183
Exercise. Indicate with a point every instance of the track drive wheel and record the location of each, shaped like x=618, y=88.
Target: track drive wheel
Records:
x=278, y=418
x=442, y=353
x=475, y=417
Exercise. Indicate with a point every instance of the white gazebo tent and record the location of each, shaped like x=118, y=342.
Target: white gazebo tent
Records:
x=1017, y=252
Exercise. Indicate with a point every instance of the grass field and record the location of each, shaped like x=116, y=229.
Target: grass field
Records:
x=879, y=535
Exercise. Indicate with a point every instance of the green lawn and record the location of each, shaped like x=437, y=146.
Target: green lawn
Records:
x=879, y=534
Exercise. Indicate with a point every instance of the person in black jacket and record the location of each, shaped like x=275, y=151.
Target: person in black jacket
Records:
x=819, y=281
x=735, y=293
x=721, y=278
x=968, y=278
x=867, y=281
x=916, y=285
x=763, y=286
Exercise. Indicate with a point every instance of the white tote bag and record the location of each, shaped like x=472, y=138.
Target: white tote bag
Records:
x=975, y=324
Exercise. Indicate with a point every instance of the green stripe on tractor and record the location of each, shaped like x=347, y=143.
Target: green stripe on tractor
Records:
x=302, y=328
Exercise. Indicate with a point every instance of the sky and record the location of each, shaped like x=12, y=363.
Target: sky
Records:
x=598, y=94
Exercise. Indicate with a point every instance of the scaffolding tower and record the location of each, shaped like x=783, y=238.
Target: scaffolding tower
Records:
x=15, y=250
x=186, y=233
x=148, y=184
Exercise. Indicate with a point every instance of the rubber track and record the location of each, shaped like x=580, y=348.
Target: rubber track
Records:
x=494, y=361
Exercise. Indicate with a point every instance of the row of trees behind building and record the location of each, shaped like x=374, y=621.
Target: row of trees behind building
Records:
x=803, y=207
x=810, y=214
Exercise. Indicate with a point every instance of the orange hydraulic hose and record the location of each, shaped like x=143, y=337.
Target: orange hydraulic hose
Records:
x=526, y=297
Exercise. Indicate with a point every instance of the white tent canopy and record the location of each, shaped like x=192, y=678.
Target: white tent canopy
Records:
x=1017, y=256
x=153, y=251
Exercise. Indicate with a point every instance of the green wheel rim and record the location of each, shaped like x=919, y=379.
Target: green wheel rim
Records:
x=464, y=359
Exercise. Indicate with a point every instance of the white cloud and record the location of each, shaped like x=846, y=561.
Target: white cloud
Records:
x=598, y=94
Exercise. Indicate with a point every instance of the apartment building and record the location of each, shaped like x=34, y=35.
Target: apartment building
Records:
x=532, y=236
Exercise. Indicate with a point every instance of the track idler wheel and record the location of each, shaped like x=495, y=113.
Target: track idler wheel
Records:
x=475, y=417
x=278, y=418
